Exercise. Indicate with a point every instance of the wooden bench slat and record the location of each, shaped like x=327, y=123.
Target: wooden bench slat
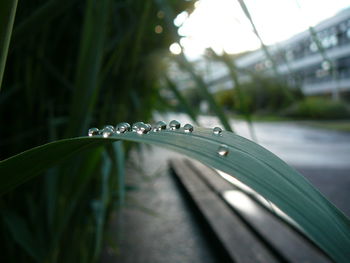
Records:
x=288, y=242
x=283, y=238
x=241, y=244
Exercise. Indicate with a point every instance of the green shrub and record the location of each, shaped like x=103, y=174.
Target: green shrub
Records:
x=261, y=94
x=318, y=108
x=269, y=94
x=226, y=99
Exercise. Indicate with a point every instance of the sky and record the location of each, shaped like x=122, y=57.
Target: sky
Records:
x=222, y=25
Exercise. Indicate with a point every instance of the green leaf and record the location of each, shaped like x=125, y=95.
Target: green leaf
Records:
x=256, y=32
x=119, y=159
x=248, y=162
x=20, y=232
x=241, y=97
x=7, y=17
x=89, y=65
x=22, y=167
x=34, y=22
x=172, y=86
x=203, y=88
x=100, y=206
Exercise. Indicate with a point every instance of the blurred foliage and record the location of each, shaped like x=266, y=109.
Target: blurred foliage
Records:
x=72, y=65
x=7, y=16
x=182, y=105
x=318, y=108
x=226, y=98
x=262, y=94
x=194, y=97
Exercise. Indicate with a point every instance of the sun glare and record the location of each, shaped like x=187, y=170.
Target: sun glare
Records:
x=221, y=24
x=175, y=48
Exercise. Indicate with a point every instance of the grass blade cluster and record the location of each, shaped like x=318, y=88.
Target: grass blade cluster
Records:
x=7, y=18
x=248, y=162
x=72, y=64
x=182, y=100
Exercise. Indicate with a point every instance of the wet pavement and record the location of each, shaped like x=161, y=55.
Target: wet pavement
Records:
x=294, y=142
x=157, y=223
x=300, y=145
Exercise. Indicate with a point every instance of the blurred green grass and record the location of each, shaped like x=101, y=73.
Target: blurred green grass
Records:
x=73, y=65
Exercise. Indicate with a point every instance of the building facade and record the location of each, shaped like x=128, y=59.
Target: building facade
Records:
x=318, y=60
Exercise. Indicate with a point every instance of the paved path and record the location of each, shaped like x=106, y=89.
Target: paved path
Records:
x=158, y=224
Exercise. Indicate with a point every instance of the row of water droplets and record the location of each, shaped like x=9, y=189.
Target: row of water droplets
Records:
x=144, y=128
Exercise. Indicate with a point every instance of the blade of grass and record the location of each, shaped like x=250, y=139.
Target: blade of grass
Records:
x=24, y=173
x=256, y=32
x=323, y=52
x=171, y=85
x=85, y=173
x=7, y=18
x=18, y=228
x=39, y=18
x=265, y=49
x=183, y=62
x=139, y=35
x=51, y=196
x=243, y=106
x=248, y=162
x=120, y=163
x=101, y=205
x=89, y=65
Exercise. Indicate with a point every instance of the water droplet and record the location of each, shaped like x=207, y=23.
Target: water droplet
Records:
x=109, y=127
x=136, y=126
x=93, y=132
x=143, y=128
x=122, y=127
x=223, y=150
x=107, y=131
x=174, y=124
x=188, y=128
x=160, y=125
x=217, y=131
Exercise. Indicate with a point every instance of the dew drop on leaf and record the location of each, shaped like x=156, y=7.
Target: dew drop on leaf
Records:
x=223, y=150
x=122, y=127
x=217, y=131
x=174, y=124
x=136, y=126
x=188, y=128
x=93, y=132
x=149, y=127
x=107, y=131
x=160, y=125
x=109, y=127
x=143, y=128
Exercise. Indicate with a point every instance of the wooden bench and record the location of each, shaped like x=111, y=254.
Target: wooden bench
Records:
x=243, y=224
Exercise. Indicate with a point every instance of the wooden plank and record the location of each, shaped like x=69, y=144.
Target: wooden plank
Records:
x=240, y=243
x=210, y=176
x=288, y=242
x=283, y=238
